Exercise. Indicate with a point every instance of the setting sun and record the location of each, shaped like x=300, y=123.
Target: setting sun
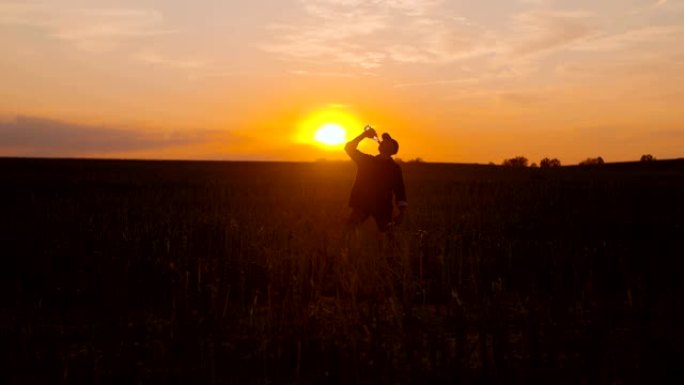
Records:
x=327, y=127
x=331, y=134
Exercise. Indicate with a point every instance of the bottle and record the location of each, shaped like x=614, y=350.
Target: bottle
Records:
x=375, y=138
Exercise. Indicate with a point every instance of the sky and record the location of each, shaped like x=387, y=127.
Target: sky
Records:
x=451, y=80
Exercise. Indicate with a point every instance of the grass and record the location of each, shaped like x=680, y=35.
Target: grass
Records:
x=210, y=272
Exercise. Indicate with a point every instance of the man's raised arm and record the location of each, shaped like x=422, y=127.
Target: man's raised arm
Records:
x=350, y=147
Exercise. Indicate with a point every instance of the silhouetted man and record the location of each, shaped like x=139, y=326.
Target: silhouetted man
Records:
x=377, y=179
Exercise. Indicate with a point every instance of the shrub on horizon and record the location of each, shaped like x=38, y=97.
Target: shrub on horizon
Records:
x=547, y=163
x=592, y=162
x=518, y=161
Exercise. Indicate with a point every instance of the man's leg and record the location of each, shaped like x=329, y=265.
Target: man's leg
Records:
x=387, y=242
x=383, y=220
x=356, y=218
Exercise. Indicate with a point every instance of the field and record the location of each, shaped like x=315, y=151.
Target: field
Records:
x=127, y=272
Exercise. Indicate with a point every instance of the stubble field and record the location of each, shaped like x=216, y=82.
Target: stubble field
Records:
x=216, y=272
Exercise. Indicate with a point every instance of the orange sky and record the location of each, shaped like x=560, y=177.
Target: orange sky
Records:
x=453, y=81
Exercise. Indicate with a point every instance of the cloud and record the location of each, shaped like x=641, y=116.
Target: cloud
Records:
x=333, y=36
x=374, y=34
x=630, y=38
x=432, y=83
x=473, y=61
x=125, y=31
x=93, y=30
x=541, y=31
x=349, y=31
x=658, y=7
x=323, y=74
x=411, y=7
x=22, y=14
x=169, y=62
x=439, y=40
x=46, y=137
x=104, y=30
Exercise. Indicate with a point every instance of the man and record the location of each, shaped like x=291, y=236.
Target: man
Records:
x=377, y=179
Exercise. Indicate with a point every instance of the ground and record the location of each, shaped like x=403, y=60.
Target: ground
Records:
x=219, y=272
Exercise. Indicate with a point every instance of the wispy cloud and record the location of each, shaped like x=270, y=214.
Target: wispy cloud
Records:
x=47, y=137
x=94, y=30
x=324, y=74
x=541, y=31
x=22, y=13
x=347, y=31
x=658, y=6
x=374, y=34
x=155, y=58
x=484, y=61
x=103, y=30
x=129, y=32
x=535, y=2
x=443, y=40
x=632, y=37
x=332, y=36
x=436, y=83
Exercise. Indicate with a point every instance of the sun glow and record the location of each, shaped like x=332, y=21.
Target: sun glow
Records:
x=331, y=134
x=327, y=128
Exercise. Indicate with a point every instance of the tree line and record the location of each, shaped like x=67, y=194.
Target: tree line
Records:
x=521, y=161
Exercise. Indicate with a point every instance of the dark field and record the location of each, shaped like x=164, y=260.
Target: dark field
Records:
x=124, y=272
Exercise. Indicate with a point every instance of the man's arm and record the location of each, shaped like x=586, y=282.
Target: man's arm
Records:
x=350, y=147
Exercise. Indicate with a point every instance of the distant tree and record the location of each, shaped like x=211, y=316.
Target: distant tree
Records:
x=592, y=161
x=491, y=164
x=417, y=160
x=647, y=158
x=534, y=165
x=547, y=163
x=518, y=161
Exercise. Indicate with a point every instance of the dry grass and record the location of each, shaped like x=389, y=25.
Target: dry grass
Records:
x=243, y=273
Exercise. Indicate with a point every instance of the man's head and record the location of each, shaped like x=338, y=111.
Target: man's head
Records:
x=388, y=146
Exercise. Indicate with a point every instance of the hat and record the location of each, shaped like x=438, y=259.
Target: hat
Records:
x=392, y=145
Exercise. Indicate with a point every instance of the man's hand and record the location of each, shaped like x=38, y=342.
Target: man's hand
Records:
x=370, y=133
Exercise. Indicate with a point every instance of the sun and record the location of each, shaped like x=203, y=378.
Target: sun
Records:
x=326, y=127
x=331, y=134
